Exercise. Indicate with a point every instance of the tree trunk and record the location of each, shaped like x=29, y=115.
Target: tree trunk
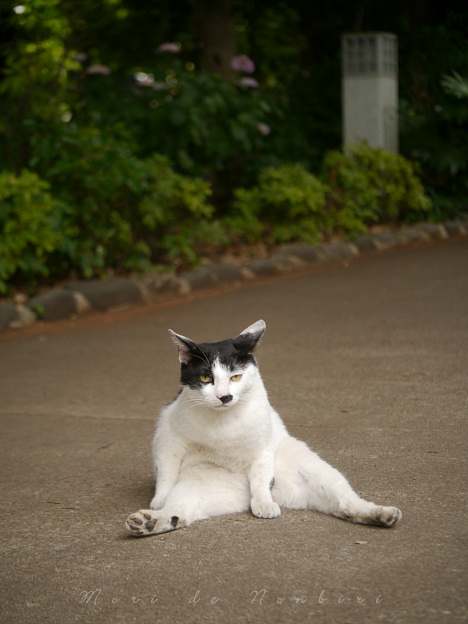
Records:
x=215, y=25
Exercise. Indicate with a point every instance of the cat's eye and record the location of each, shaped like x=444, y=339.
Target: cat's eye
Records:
x=206, y=378
x=236, y=377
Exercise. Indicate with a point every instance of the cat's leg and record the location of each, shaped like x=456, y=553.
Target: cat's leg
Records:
x=168, y=454
x=201, y=492
x=261, y=479
x=304, y=481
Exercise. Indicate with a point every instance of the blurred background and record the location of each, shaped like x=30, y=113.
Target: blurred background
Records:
x=138, y=134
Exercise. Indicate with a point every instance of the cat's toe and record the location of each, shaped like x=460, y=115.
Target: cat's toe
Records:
x=265, y=509
x=141, y=523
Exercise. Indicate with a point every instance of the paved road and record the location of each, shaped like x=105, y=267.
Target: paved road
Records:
x=367, y=363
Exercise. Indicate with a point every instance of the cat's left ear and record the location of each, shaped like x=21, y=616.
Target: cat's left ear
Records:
x=185, y=347
x=250, y=337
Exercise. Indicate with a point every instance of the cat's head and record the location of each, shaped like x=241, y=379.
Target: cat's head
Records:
x=220, y=373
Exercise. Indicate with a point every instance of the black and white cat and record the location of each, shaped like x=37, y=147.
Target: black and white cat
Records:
x=221, y=448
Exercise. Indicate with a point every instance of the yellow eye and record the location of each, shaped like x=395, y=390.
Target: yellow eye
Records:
x=236, y=377
x=205, y=378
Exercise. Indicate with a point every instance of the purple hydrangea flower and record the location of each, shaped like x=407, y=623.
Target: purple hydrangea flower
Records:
x=264, y=128
x=144, y=80
x=246, y=81
x=173, y=48
x=243, y=63
x=101, y=70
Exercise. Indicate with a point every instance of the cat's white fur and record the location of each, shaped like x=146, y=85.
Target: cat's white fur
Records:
x=213, y=458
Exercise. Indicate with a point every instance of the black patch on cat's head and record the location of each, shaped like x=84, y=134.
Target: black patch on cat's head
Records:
x=198, y=359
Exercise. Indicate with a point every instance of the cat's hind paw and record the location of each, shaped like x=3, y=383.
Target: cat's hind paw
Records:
x=371, y=514
x=386, y=516
x=147, y=522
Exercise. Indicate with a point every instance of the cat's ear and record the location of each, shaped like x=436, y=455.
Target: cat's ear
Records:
x=256, y=329
x=250, y=337
x=185, y=347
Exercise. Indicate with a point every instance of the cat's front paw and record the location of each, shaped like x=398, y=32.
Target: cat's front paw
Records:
x=265, y=509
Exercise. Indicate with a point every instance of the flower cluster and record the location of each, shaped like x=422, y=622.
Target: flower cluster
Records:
x=263, y=128
x=242, y=63
x=98, y=70
x=143, y=79
x=248, y=81
x=173, y=48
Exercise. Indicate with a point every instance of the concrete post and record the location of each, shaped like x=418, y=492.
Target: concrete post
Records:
x=370, y=89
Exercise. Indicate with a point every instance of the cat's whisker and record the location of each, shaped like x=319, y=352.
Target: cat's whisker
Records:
x=195, y=403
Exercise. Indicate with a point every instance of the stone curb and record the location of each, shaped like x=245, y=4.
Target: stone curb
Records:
x=80, y=297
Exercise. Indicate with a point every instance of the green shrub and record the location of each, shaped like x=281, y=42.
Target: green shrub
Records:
x=119, y=211
x=98, y=181
x=369, y=186
x=286, y=204
x=437, y=138
x=359, y=187
x=176, y=220
x=27, y=233
x=205, y=125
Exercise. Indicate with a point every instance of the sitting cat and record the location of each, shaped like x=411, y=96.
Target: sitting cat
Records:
x=221, y=448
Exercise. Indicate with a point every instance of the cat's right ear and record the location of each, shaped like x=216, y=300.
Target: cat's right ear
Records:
x=185, y=347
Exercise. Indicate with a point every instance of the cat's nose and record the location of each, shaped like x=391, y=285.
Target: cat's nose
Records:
x=227, y=398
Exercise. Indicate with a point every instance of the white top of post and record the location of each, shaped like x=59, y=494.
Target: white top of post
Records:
x=370, y=54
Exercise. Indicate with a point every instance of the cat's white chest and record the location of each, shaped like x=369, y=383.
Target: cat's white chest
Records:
x=229, y=439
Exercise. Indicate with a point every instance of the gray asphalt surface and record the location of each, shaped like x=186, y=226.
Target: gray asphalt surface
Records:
x=367, y=363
